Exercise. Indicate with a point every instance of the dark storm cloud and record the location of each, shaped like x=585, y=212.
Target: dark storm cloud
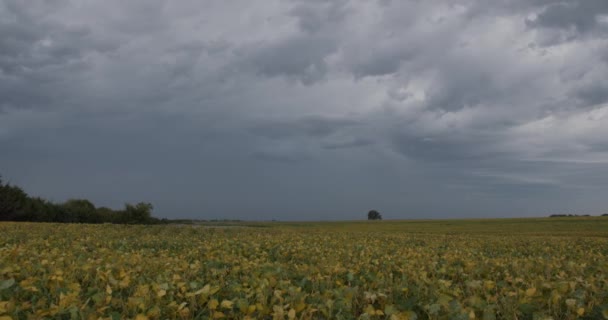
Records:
x=317, y=16
x=452, y=148
x=354, y=143
x=382, y=61
x=582, y=15
x=308, y=126
x=594, y=94
x=301, y=58
x=292, y=109
x=277, y=156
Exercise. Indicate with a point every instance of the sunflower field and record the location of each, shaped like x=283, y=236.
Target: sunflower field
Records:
x=362, y=270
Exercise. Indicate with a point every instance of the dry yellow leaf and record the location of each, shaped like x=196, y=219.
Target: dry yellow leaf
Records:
x=212, y=304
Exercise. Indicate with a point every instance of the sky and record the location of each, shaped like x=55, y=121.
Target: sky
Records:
x=308, y=109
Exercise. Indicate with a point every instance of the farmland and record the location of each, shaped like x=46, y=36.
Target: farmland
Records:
x=446, y=269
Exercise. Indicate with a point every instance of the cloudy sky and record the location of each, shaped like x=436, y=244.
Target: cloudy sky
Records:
x=308, y=109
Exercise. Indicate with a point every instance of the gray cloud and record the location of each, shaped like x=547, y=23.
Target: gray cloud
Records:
x=318, y=16
x=308, y=126
x=594, y=95
x=293, y=109
x=581, y=15
x=354, y=143
x=300, y=57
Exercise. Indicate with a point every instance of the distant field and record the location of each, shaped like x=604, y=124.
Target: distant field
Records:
x=570, y=226
x=550, y=268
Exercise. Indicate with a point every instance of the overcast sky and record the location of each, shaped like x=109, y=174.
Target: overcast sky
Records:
x=308, y=109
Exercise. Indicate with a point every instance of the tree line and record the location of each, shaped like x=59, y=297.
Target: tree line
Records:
x=17, y=205
x=574, y=215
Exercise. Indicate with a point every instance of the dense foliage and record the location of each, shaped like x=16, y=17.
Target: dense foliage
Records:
x=377, y=270
x=374, y=215
x=17, y=205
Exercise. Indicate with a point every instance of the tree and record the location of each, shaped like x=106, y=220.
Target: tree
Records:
x=41, y=210
x=140, y=213
x=79, y=210
x=16, y=205
x=12, y=201
x=374, y=215
x=106, y=214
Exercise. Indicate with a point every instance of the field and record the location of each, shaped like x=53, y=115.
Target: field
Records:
x=554, y=268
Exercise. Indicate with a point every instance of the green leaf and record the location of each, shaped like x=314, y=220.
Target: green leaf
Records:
x=489, y=314
x=434, y=309
x=7, y=284
x=390, y=309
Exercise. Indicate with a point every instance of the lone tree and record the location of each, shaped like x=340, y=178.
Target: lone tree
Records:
x=374, y=215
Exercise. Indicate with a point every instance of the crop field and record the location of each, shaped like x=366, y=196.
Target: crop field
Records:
x=452, y=269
